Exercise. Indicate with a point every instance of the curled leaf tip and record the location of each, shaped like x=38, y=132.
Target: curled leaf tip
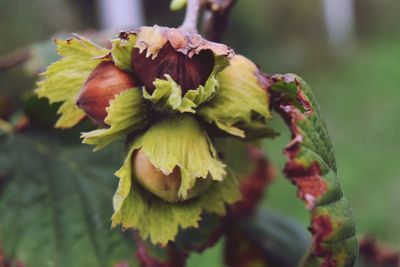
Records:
x=311, y=167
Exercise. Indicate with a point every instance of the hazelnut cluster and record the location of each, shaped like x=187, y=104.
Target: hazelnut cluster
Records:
x=171, y=95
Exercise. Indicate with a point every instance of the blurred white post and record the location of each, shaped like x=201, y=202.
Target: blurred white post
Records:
x=120, y=14
x=339, y=19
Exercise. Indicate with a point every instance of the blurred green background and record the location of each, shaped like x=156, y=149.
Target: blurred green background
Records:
x=352, y=62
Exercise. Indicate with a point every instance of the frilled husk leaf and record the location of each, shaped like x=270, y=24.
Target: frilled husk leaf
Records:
x=121, y=51
x=64, y=78
x=168, y=97
x=158, y=220
x=126, y=114
x=179, y=141
x=175, y=142
x=152, y=39
x=240, y=106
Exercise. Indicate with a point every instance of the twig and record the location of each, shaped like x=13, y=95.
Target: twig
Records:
x=191, y=17
x=14, y=58
x=215, y=26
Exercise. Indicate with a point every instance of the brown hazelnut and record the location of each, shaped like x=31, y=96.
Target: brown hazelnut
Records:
x=103, y=84
x=188, y=72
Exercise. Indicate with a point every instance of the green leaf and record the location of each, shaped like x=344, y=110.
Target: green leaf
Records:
x=178, y=141
x=121, y=51
x=167, y=95
x=240, y=106
x=63, y=79
x=268, y=239
x=55, y=209
x=177, y=5
x=311, y=167
x=126, y=114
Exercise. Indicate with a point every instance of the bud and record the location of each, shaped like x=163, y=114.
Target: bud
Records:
x=164, y=186
x=103, y=84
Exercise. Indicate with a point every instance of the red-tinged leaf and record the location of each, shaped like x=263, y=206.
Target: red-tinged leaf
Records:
x=155, y=256
x=252, y=186
x=375, y=254
x=311, y=167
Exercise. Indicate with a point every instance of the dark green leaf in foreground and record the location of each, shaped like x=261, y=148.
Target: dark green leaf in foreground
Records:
x=265, y=239
x=56, y=205
x=311, y=167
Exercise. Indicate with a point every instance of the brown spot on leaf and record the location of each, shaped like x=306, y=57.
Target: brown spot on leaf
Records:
x=295, y=107
x=311, y=186
x=322, y=228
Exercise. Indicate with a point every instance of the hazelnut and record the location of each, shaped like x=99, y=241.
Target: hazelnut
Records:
x=188, y=72
x=164, y=186
x=103, y=84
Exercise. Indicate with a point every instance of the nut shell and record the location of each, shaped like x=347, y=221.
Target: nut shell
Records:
x=188, y=72
x=164, y=186
x=103, y=84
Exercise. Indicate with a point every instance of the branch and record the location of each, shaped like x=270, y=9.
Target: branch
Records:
x=14, y=58
x=215, y=26
x=191, y=17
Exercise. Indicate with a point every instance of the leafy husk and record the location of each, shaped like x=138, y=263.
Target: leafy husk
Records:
x=126, y=114
x=63, y=79
x=175, y=142
x=168, y=96
x=241, y=105
x=121, y=51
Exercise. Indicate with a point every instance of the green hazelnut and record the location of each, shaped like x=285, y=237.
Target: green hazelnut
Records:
x=164, y=186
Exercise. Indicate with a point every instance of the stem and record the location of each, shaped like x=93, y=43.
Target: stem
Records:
x=15, y=58
x=216, y=25
x=192, y=13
